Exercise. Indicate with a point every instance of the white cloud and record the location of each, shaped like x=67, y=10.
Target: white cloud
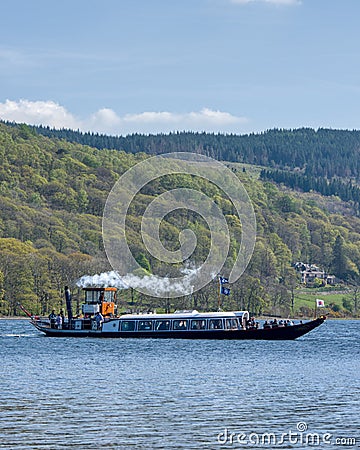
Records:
x=204, y=120
x=38, y=113
x=274, y=2
x=107, y=121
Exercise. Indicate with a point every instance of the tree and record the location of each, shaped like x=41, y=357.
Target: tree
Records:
x=2, y=305
x=355, y=292
x=290, y=281
x=142, y=260
x=339, y=260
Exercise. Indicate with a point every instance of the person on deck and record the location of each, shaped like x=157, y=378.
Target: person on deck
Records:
x=62, y=315
x=99, y=319
x=59, y=322
x=52, y=318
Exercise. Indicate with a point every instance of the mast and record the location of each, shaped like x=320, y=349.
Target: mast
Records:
x=219, y=294
x=68, y=303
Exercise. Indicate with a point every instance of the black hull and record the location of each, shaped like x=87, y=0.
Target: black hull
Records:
x=273, y=334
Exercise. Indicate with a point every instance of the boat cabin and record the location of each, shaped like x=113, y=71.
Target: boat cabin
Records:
x=99, y=300
x=179, y=321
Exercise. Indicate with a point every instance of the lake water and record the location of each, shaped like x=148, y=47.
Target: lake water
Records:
x=179, y=394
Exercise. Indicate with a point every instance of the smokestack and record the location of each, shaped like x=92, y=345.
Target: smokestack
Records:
x=68, y=303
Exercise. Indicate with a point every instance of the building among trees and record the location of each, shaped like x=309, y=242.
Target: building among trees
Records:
x=310, y=273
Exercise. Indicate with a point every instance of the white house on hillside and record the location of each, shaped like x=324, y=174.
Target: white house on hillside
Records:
x=310, y=272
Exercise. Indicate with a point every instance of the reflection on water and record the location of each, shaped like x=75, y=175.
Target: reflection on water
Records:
x=133, y=393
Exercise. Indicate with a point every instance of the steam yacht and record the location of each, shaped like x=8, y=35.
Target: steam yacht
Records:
x=99, y=319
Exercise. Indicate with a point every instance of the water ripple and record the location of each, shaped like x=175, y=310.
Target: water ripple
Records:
x=153, y=394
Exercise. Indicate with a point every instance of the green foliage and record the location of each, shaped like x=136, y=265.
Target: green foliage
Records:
x=52, y=194
x=347, y=304
x=322, y=153
x=339, y=262
x=143, y=262
x=346, y=190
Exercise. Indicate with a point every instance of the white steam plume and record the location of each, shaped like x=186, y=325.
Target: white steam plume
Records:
x=106, y=279
x=161, y=285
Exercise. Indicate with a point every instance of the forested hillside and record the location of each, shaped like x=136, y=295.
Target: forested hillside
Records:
x=318, y=153
x=347, y=190
x=52, y=194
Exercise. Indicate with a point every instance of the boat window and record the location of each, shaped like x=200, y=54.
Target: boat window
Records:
x=215, y=324
x=162, y=325
x=145, y=325
x=198, y=324
x=231, y=324
x=108, y=296
x=128, y=325
x=91, y=296
x=180, y=325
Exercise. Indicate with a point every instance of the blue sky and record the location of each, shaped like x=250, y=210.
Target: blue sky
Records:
x=123, y=66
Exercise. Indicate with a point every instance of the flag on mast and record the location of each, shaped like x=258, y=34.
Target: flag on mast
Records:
x=320, y=303
x=225, y=290
x=223, y=280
